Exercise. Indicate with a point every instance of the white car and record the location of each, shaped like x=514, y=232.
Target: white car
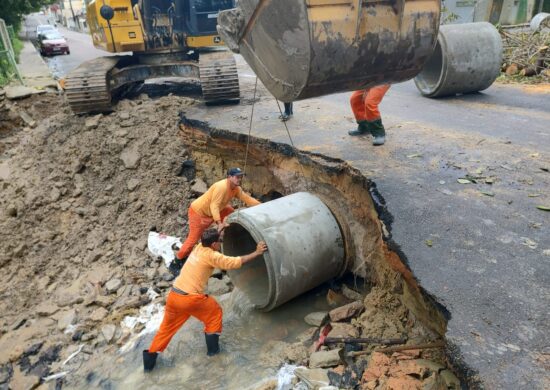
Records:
x=43, y=28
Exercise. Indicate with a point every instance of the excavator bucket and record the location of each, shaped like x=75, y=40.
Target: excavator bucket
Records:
x=305, y=48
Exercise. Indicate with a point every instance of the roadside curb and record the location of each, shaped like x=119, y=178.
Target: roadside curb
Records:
x=34, y=70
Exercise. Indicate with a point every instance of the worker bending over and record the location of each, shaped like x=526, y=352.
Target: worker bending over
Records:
x=187, y=296
x=364, y=105
x=212, y=206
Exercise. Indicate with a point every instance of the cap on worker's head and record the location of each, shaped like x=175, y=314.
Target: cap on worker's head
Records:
x=235, y=172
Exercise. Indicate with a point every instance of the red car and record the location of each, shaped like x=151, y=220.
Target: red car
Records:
x=52, y=42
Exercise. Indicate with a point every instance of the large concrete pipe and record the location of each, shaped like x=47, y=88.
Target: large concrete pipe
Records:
x=467, y=58
x=305, y=48
x=540, y=21
x=305, y=248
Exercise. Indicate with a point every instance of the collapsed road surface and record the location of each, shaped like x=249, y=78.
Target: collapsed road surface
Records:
x=481, y=248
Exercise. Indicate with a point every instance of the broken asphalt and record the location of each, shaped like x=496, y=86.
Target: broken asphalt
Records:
x=481, y=249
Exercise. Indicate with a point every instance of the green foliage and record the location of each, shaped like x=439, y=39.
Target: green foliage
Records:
x=12, y=11
x=447, y=16
x=7, y=72
x=17, y=47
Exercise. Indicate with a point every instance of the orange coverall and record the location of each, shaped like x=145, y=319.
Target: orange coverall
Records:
x=212, y=206
x=192, y=280
x=364, y=104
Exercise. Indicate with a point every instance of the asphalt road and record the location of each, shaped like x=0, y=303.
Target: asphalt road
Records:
x=80, y=45
x=489, y=258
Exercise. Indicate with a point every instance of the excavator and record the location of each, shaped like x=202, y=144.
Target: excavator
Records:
x=166, y=38
x=299, y=49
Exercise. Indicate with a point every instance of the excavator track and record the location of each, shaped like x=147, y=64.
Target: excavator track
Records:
x=219, y=77
x=87, y=88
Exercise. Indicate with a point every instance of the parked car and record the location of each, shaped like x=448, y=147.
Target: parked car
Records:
x=53, y=42
x=43, y=28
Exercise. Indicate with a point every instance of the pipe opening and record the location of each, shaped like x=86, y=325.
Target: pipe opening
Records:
x=305, y=248
x=429, y=79
x=252, y=278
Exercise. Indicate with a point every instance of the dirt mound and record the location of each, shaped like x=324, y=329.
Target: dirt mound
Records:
x=79, y=195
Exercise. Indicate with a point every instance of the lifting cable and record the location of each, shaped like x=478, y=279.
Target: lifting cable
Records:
x=248, y=137
x=306, y=182
x=250, y=132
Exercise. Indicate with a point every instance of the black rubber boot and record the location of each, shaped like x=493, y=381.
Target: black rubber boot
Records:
x=176, y=265
x=212, y=344
x=362, y=128
x=378, y=132
x=149, y=360
x=288, y=112
x=288, y=109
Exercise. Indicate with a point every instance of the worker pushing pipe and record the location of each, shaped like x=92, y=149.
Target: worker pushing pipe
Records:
x=306, y=249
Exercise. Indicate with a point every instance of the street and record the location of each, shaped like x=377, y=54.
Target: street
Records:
x=80, y=45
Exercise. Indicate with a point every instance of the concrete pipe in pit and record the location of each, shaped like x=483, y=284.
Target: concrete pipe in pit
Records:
x=305, y=248
x=466, y=59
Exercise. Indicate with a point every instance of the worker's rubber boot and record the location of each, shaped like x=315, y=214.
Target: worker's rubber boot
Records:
x=149, y=360
x=212, y=344
x=378, y=132
x=362, y=128
x=176, y=265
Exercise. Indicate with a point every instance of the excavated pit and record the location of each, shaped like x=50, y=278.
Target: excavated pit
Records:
x=275, y=168
x=353, y=199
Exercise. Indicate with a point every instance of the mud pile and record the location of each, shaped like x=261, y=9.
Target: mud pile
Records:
x=79, y=195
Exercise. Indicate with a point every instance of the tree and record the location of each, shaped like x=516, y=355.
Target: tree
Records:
x=12, y=11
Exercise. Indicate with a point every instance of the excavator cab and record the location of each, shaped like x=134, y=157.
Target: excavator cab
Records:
x=181, y=23
x=202, y=17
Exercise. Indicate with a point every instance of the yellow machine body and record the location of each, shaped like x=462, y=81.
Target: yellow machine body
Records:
x=126, y=31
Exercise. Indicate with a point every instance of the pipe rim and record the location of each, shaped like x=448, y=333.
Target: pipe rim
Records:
x=253, y=230
x=432, y=89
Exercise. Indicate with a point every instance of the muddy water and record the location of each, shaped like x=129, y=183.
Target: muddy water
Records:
x=250, y=346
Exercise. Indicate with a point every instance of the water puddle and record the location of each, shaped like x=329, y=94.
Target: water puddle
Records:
x=252, y=346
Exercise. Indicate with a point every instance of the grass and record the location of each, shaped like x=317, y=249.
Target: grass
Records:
x=3, y=80
x=17, y=47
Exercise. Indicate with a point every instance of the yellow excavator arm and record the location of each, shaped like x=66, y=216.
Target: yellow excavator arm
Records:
x=298, y=48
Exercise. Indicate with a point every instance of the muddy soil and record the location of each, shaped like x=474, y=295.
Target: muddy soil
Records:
x=79, y=195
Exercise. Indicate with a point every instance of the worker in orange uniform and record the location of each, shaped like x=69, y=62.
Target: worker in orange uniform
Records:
x=212, y=206
x=187, y=296
x=364, y=105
